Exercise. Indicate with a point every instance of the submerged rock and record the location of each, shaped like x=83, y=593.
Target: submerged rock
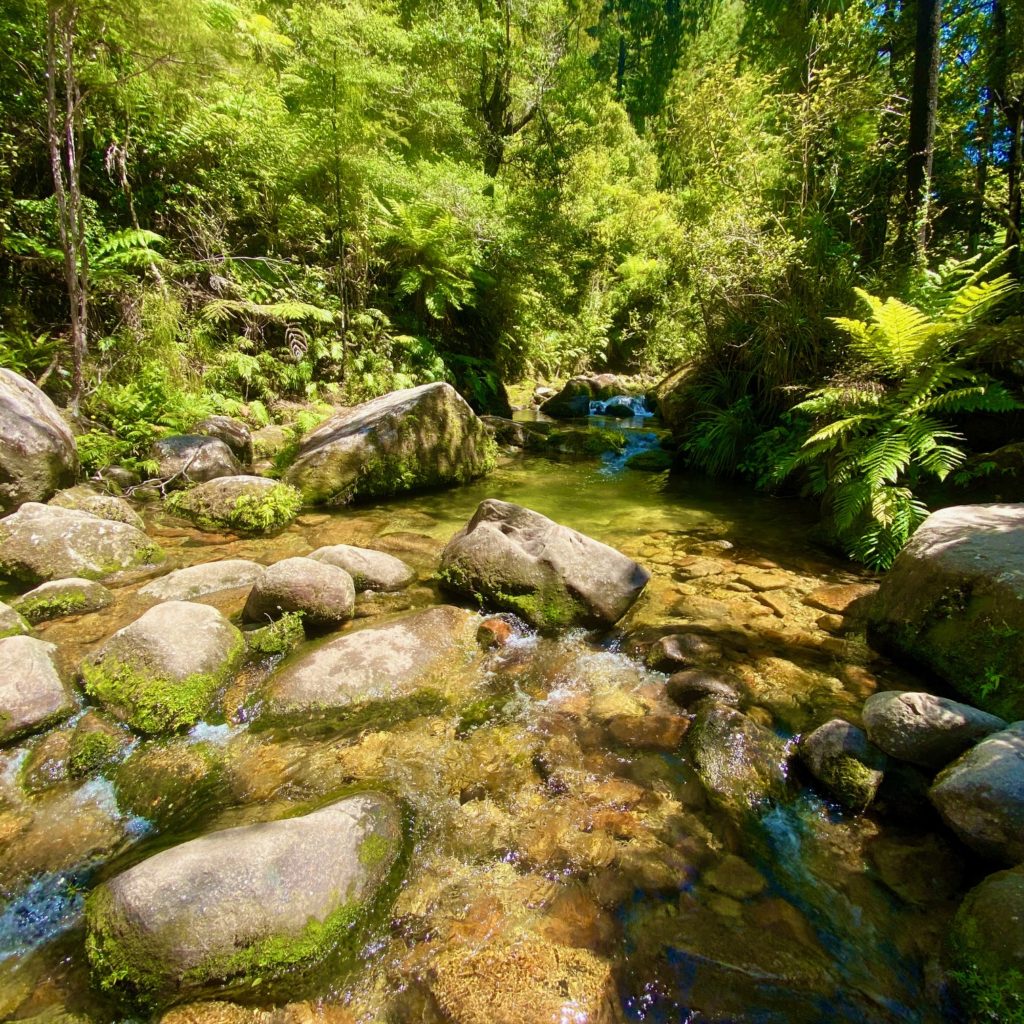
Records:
x=37, y=449
x=63, y=597
x=11, y=623
x=840, y=757
x=245, y=504
x=245, y=904
x=981, y=796
x=551, y=576
x=405, y=665
x=45, y=542
x=106, y=506
x=986, y=946
x=369, y=569
x=161, y=672
x=405, y=441
x=953, y=602
x=193, y=458
x=924, y=729
x=207, y=578
x=690, y=686
x=324, y=594
x=32, y=693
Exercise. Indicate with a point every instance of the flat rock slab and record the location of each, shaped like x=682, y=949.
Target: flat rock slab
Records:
x=37, y=449
x=32, y=692
x=981, y=796
x=924, y=729
x=244, y=904
x=369, y=569
x=106, y=506
x=198, y=580
x=953, y=603
x=839, y=598
x=549, y=575
x=45, y=542
x=73, y=596
x=415, y=656
x=161, y=672
x=404, y=441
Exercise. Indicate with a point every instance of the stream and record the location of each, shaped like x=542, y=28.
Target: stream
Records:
x=557, y=813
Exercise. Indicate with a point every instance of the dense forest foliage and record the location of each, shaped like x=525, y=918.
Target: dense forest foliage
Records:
x=211, y=206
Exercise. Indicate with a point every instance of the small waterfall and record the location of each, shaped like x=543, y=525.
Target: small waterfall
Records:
x=621, y=407
x=636, y=441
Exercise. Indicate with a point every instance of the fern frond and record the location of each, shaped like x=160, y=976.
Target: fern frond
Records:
x=975, y=300
x=884, y=460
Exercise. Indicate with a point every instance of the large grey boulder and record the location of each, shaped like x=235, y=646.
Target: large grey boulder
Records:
x=405, y=441
x=986, y=949
x=32, y=692
x=518, y=560
x=391, y=669
x=370, y=570
x=37, y=449
x=244, y=504
x=741, y=763
x=45, y=542
x=193, y=458
x=246, y=904
x=206, y=578
x=924, y=729
x=323, y=593
x=840, y=757
x=981, y=796
x=70, y=596
x=953, y=603
x=235, y=434
x=160, y=673
x=106, y=506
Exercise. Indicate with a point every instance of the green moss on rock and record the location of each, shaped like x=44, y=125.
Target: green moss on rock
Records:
x=280, y=637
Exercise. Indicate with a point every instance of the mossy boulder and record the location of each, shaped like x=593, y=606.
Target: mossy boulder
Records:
x=986, y=949
x=33, y=694
x=206, y=578
x=37, y=449
x=11, y=623
x=106, y=506
x=655, y=460
x=408, y=440
x=953, y=603
x=57, y=598
x=369, y=569
x=45, y=542
x=585, y=441
x=510, y=434
x=395, y=670
x=192, y=458
x=981, y=796
x=675, y=397
x=96, y=744
x=324, y=594
x=244, y=905
x=244, y=504
x=161, y=672
x=515, y=559
x=577, y=393
x=842, y=759
x=234, y=433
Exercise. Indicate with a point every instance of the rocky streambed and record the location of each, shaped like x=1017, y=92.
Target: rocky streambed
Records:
x=359, y=770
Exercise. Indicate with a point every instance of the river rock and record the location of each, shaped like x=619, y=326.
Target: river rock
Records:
x=576, y=395
x=741, y=764
x=688, y=687
x=45, y=542
x=370, y=570
x=37, y=449
x=232, y=432
x=245, y=504
x=11, y=623
x=106, y=506
x=405, y=441
x=986, y=948
x=924, y=729
x=63, y=597
x=193, y=458
x=206, y=578
x=981, y=796
x=953, y=603
x=676, y=399
x=515, y=435
x=32, y=692
x=840, y=757
x=161, y=672
x=244, y=904
x=323, y=593
x=683, y=650
x=549, y=575
x=407, y=663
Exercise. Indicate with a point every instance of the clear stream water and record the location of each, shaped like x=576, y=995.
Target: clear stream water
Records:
x=559, y=812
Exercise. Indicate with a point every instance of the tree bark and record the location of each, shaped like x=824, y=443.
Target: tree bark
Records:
x=1011, y=106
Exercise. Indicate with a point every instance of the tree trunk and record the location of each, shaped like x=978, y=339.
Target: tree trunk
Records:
x=1011, y=106
x=983, y=140
x=924, y=102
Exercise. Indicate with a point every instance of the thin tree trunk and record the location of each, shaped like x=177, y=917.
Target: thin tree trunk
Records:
x=983, y=139
x=1012, y=108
